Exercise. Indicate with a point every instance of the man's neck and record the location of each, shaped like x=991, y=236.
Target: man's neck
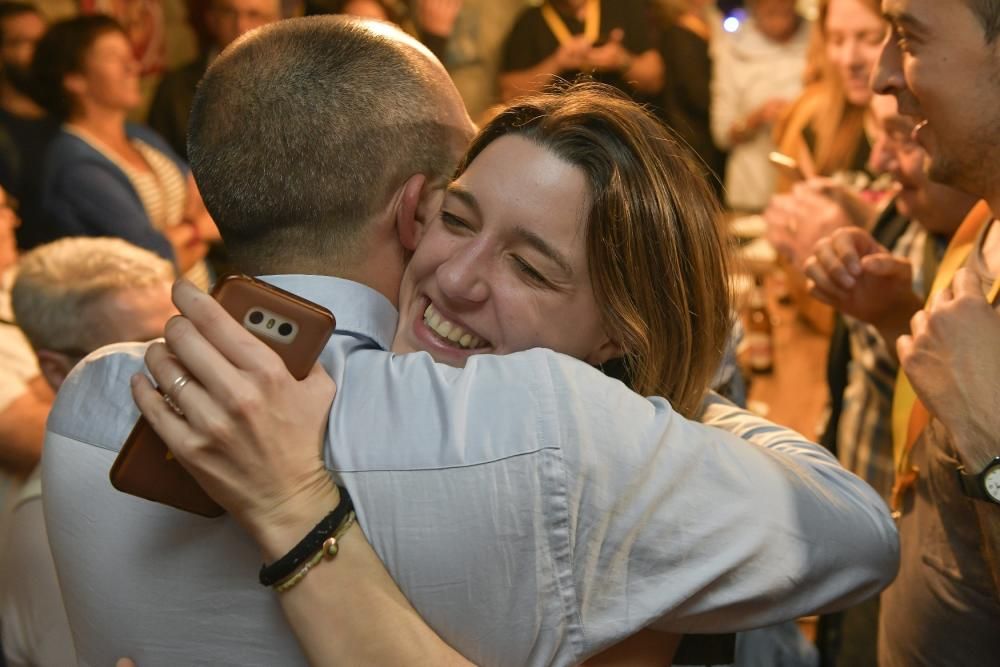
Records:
x=17, y=103
x=384, y=282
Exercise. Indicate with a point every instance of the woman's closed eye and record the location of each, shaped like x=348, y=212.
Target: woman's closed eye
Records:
x=454, y=222
x=530, y=273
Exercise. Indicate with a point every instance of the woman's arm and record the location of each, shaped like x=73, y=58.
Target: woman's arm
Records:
x=280, y=493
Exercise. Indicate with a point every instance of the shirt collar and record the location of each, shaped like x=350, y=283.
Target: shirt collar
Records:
x=359, y=309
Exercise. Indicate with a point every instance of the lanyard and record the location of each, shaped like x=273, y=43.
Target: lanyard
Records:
x=591, y=22
x=909, y=415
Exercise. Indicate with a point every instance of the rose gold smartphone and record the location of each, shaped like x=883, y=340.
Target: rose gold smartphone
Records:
x=295, y=328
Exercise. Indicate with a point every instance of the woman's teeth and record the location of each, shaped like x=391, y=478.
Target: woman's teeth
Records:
x=449, y=330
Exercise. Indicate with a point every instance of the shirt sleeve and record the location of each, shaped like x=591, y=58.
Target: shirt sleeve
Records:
x=712, y=527
x=728, y=525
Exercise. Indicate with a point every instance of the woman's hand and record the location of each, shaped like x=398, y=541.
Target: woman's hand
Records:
x=250, y=433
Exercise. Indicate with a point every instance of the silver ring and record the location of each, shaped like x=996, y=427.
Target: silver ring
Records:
x=172, y=396
x=178, y=385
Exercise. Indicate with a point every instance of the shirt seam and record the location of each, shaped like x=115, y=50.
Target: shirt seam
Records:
x=559, y=529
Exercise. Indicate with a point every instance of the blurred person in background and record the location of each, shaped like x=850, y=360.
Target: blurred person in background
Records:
x=563, y=38
x=104, y=176
x=432, y=21
x=825, y=130
x=25, y=127
x=70, y=298
x=379, y=10
x=899, y=252
x=757, y=73
x=826, y=133
x=25, y=398
x=224, y=21
x=686, y=34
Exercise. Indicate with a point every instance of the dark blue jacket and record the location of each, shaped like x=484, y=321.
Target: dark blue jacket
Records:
x=85, y=194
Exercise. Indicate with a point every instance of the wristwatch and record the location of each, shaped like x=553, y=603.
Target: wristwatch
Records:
x=985, y=485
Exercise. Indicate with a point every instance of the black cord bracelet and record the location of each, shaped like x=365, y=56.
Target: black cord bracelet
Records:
x=310, y=544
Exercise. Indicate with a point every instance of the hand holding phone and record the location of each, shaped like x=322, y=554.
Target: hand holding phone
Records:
x=296, y=329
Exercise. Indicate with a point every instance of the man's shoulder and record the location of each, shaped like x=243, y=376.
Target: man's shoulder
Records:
x=494, y=408
x=94, y=404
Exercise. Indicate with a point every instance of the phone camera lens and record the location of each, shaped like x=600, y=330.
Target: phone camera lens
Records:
x=256, y=317
x=285, y=329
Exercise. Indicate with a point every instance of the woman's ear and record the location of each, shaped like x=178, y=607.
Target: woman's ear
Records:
x=75, y=83
x=607, y=350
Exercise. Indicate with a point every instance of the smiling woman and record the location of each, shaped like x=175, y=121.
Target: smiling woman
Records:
x=577, y=223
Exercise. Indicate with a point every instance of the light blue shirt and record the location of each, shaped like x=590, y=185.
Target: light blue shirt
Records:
x=532, y=510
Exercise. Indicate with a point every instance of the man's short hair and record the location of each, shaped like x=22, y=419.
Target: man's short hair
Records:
x=57, y=282
x=10, y=9
x=988, y=13
x=303, y=129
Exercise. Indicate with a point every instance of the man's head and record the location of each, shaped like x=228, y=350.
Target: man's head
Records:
x=776, y=19
x=21, y=26
x=75, y=295
x=942, y=62
x=228, y=19
x=938, y=208
x=312, y=139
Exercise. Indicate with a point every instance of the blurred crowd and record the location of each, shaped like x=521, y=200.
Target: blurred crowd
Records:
x=99, y=214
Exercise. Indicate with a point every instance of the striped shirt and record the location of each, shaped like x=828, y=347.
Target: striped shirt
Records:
x=162, y=189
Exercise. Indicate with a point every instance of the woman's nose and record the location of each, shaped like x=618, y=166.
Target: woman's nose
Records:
x=464, y=277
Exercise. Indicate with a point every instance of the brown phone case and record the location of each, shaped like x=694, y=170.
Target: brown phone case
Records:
x=145, y=467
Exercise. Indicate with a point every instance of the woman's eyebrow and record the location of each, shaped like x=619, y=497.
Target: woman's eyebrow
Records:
x=465, y=196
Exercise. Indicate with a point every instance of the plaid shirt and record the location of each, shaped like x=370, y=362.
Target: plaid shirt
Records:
x=864, y=434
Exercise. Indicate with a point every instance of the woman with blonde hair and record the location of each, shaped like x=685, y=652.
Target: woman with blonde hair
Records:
x=825, y=130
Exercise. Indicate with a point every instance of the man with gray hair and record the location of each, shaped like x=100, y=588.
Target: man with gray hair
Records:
x=70, y=297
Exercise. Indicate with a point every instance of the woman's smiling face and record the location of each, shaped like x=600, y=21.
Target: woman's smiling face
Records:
x=504, y=267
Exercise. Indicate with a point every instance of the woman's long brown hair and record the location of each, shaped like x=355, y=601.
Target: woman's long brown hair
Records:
x=657, y=252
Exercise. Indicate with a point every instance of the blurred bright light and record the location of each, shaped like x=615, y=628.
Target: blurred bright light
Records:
x=731, y=24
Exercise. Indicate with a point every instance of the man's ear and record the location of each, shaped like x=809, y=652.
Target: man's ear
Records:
x=55, y=366
x=409, y=224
